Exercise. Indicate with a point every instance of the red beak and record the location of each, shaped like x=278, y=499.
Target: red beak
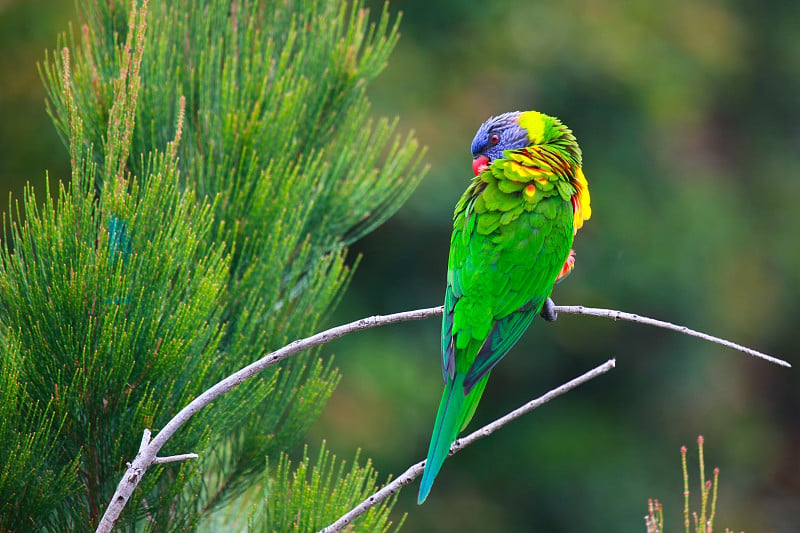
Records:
x=479, y=164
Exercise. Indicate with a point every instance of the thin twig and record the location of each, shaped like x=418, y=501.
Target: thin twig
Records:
x=149, y=449
x=174, y=458
x=145, y=439
x=415, y=470
x=620, y=315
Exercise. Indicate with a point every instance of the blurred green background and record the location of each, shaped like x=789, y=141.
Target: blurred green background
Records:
x=688, y=114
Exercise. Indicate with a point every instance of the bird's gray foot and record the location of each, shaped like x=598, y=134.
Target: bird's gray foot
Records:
x=548, y=311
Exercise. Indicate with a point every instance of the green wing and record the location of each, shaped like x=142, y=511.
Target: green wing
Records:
x=505, y=334
x=463, y=227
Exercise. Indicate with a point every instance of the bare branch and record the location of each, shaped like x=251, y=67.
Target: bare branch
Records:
x=620, y=315
x=415, y=470
x=149, y=449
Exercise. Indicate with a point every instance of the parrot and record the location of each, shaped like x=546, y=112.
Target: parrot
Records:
x=513, y=230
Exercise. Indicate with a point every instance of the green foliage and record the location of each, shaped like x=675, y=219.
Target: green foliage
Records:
x=222, y=158
x=688, y=116
x=28, y=449
x=318, y=495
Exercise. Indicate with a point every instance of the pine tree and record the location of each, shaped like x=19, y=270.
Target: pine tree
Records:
x=223, y=158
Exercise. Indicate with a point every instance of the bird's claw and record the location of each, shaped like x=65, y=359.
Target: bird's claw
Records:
x=548, y=311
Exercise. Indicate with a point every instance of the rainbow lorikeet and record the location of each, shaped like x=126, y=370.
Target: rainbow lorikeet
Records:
x=512, y=238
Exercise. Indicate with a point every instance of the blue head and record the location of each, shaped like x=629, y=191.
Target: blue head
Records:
x=497, y=134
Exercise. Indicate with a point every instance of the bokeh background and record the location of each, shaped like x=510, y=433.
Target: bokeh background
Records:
x=688, y=113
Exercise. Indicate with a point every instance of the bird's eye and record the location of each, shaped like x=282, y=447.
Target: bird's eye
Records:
x=494, y=138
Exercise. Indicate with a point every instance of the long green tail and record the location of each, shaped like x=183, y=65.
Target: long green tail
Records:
x=455, y=412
